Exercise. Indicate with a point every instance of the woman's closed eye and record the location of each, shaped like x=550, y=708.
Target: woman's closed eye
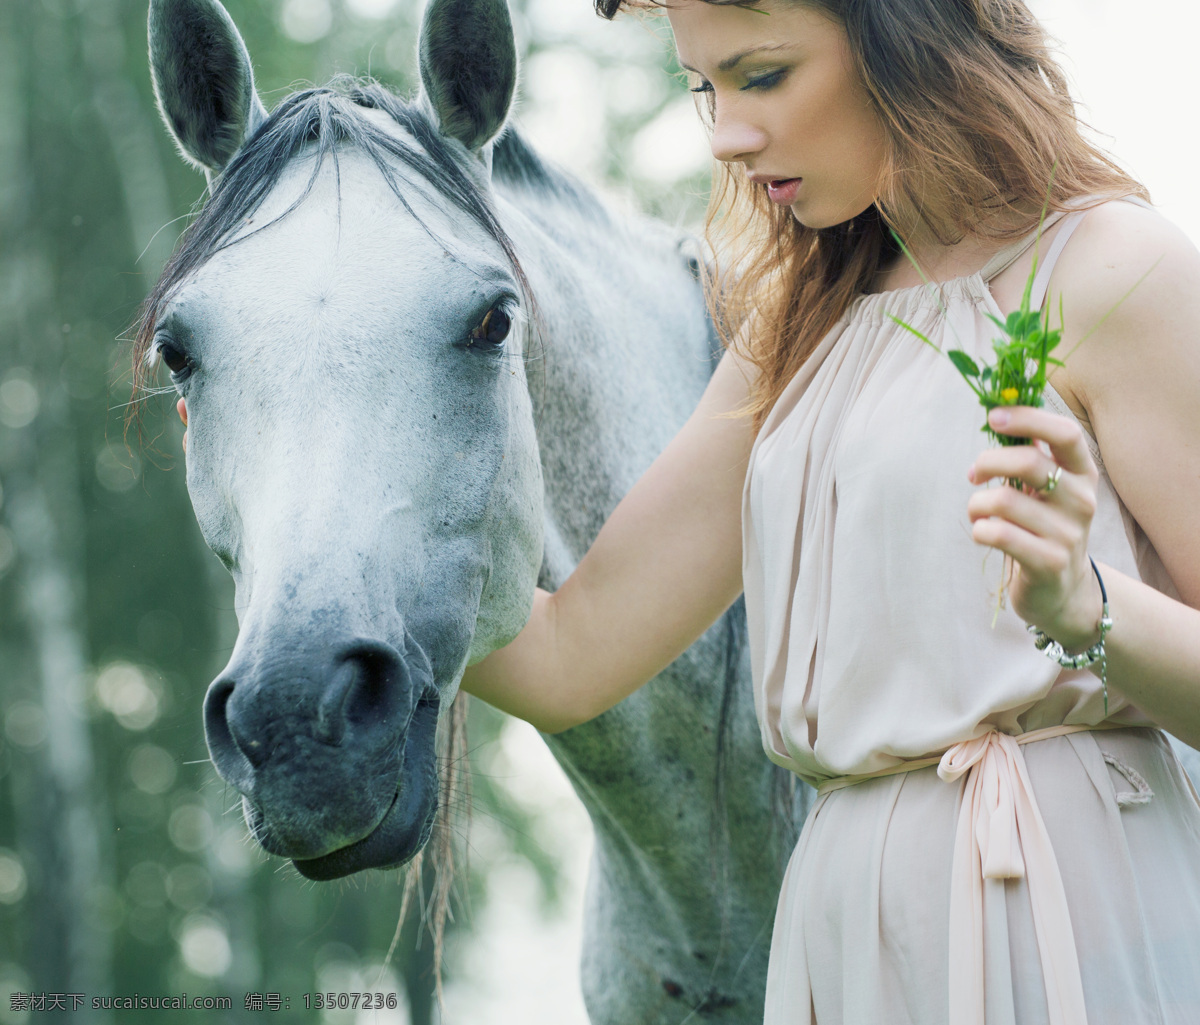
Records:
x=761, y=82
x=765, y=82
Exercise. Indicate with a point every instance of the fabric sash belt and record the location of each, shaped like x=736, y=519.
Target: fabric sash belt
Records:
x=1000, y=835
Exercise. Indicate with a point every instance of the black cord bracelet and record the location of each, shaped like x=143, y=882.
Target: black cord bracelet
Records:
x=1053, y=650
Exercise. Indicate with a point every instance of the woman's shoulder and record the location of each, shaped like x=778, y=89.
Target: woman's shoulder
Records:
x=1128, y=254
x=1128, y=287
x=1129, y=282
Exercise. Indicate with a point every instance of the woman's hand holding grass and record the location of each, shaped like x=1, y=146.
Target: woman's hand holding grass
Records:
x=1044, y=533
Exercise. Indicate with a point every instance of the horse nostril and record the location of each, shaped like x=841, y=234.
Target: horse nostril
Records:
x=331, y=718
x=233, y=759
x=368, y=692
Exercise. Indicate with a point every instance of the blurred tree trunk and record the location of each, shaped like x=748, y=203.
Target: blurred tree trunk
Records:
x=59, y=819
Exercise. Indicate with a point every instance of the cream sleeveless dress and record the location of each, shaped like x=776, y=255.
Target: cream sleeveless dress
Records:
x=1054, y=882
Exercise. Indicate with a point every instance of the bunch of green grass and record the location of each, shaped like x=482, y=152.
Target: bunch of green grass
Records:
x=1018, y=376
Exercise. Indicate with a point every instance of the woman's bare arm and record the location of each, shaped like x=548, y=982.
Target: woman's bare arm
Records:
x=666, y=564
x=1139, y=378
x=1137, y=375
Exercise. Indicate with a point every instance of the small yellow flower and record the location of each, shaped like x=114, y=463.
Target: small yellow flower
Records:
x=1009, y=395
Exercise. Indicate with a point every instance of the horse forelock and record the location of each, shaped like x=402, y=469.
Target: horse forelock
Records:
x=327, y=117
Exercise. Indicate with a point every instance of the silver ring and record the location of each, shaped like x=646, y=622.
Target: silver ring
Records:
x=1051, y=481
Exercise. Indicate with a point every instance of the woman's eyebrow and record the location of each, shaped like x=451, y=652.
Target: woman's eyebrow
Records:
x=729, y=63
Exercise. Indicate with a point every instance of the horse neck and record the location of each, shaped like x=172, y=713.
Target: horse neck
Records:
x=626, y=349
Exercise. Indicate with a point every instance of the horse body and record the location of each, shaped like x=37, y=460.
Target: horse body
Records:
x=388, y=447
x=683, y=885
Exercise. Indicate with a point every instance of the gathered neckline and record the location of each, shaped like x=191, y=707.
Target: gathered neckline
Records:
x=926, y=285
x=981, y=278
x=972, y=287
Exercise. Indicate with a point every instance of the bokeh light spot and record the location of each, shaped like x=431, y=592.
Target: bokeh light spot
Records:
x=373, y=9
x=12, y=877
x=238, y=854
x=152, y=769
x=190, y=828
x=117, y=469
x=19, y=400
x=306, y=21
x=25, y=724
x=204, y=946
x=130, y=694
x=672, y=146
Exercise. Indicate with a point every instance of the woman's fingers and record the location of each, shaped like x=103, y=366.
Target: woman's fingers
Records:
x=1045, y=532
x=1027, y=512
x=1037, y=555
x=1073, y=492
x=1068, y=443
x=1014, y=462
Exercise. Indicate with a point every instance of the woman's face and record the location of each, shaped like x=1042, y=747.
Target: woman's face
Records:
x=789, y=104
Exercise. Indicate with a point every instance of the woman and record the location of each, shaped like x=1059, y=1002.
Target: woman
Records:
x=948, y=872
x=1056, y=880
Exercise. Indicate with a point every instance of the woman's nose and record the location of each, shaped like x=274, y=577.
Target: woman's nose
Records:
x=733, y=137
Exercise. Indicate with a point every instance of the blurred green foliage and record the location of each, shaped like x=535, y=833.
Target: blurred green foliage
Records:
x=124, y=863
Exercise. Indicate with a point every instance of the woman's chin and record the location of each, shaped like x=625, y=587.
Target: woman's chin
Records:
x=817, y=216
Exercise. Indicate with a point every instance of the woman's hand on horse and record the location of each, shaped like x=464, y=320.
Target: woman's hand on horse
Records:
x=1044, y=531
x=666, y=564
x=181, y=409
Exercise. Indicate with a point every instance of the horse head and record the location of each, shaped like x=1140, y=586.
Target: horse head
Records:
x=346, y=320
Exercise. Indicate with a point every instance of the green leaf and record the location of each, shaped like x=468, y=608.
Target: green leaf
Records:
x=997, y=321
x=966, y=366
x=912, y=330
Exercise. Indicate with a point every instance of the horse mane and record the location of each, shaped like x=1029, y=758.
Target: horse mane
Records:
x=327, y=117
x=517, y=164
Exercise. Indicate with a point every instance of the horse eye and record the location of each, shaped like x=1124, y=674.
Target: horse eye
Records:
x=494, y=328
x=174, y=358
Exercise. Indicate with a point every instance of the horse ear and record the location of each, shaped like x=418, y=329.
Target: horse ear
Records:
x=202, y=80
x=468, y=63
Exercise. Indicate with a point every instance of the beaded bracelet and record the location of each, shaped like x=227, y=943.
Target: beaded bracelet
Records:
x=1052, y=649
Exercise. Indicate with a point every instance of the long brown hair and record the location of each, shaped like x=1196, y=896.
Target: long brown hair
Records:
x=976, y=111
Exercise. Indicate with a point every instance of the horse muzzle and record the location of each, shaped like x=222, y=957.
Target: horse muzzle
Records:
x=332, y=746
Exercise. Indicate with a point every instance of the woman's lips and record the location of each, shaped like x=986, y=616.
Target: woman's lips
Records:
x=783, y=190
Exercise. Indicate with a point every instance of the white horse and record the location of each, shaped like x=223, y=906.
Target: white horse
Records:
x=421, y=368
